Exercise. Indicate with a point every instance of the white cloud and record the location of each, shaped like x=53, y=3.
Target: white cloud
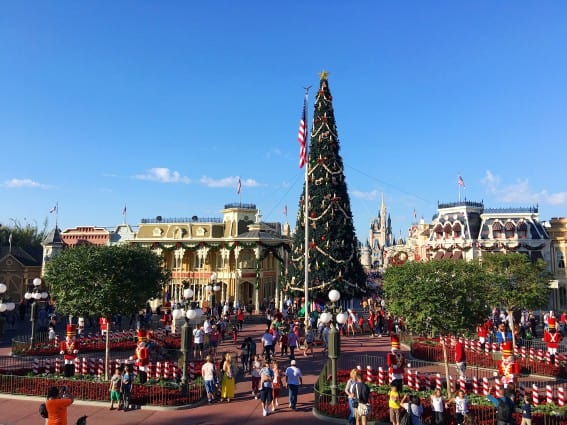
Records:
x=367, y=196
x=520, y=192
x=23, y=183
x=163, y=175
x=274, y=153
x=231, y=181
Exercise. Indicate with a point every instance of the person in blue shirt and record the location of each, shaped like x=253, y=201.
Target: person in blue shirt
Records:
x=526, y=411
x=508, y=399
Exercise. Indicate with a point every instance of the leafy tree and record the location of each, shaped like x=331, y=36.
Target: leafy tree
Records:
x=516, y=282
x=108, y=280
x=332, y=244
x=437, y=297
x=23, y=235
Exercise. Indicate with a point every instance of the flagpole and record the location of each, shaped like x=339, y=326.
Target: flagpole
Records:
x=56, y=214
x=306, y=213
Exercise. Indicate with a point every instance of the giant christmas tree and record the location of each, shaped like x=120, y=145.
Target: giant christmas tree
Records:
x=333, y=257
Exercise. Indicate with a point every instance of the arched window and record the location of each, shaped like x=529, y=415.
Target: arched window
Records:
x=457, y=230
x=522, y=230
x=496, y=230
x=509, y=230
x=438, y=232
x=447, y=230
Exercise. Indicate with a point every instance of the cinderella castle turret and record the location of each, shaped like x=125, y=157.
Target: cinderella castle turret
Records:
x=380, y=236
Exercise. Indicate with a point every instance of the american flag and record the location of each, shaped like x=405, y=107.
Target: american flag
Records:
x=285, y=210
x=302, y=135
x=238, y=186
x=461, y=182
x=54, y=209
x=124, y=210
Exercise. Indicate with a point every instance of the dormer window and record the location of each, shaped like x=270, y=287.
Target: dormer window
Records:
x=522, y=230
x=509, y=230
x=448, y=231
x=497, y=230
x=457, y=230
x=438, y=232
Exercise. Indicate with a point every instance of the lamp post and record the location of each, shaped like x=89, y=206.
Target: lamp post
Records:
x=216, y=288
x=189, y=314
x=37, y=295
x=334, y=315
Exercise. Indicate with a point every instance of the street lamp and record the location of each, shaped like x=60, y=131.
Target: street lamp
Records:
x=37, y=295
x=5, y=306
x=189, y=314
x=334, y=315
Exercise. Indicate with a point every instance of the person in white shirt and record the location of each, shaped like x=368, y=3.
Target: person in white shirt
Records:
x=198, y=335
x=293, y=380
x=267, y=342
x=208, y=373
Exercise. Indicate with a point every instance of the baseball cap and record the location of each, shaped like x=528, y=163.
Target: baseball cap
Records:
x=293, y=362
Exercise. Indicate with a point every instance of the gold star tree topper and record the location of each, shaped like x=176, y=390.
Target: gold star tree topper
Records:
x=323, y=75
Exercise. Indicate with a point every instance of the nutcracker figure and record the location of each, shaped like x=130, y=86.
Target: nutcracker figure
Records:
x=552, y=338
x=142, y=356
x=508, y=369
x=103, y=323
x=69, y=350
x=396, y=363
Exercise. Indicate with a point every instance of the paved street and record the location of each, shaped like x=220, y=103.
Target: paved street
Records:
x=242, y=410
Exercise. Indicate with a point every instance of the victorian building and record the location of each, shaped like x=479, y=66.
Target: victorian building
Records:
x=237, y=253
x=467, y=230
x=557, y=229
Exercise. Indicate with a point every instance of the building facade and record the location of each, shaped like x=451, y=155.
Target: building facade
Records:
x=557, y=229
x=238, y=253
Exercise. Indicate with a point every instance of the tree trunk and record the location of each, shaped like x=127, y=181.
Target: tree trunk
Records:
x=446, y=362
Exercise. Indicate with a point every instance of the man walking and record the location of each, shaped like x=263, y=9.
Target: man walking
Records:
x=293, y=380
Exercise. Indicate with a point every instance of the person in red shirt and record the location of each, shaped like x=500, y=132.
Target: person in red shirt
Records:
x=240, y=318
x=482, y=333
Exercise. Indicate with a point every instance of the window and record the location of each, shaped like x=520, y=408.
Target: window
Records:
x=496, y=230
x=560, y=260
x=448, y=231
x=457, y=230
x=509, y=230
x=438, y=232
x=522, y=230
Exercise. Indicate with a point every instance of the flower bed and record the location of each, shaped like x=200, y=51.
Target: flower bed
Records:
x=481, y=409
x=433, y=351
x=162, y=394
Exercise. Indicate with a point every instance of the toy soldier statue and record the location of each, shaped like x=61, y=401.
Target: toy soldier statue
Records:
x=396, y=362
x=69, y=350
x=142, y=356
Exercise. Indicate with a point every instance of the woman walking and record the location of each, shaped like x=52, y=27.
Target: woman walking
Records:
x=227, y=383
x=276, y=384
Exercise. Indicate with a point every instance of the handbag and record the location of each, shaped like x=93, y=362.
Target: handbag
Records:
x=362, y=409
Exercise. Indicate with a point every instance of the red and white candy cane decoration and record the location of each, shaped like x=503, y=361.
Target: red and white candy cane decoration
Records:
x=417, y=381
x=381, y=376
x=100, y=367
x=522, y=391
x=369, y=374
x=560, y=396
x=35, y=366
x=539, y=355
x=485, y=386
x=495, y=346
x=91, y=366
x=532, y=354
x=47, y=366
x=151, y=370
x=535, y=395
x=497, y=388
x=438, y=381
x=462, y=383
x=77, y=362
x=427, y=381
x=487, y=347
x=167, y=370
x=524, y=352
x=548, y=357
x=475, y=384
x=84, y=366
x=549, y=394
x=57, y=365
x=158, y=370
x=409, y=379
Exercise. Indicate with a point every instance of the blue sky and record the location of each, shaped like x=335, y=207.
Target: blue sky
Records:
x=162, y=106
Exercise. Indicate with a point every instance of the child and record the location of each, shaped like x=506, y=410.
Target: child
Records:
x=255, y=372
x=115, y=384
x=526, y=411
x=394, y=405
x=234, y=333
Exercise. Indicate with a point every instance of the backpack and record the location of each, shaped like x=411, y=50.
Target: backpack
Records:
x=43, y=410
x=504, y=411
x=405, y=419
